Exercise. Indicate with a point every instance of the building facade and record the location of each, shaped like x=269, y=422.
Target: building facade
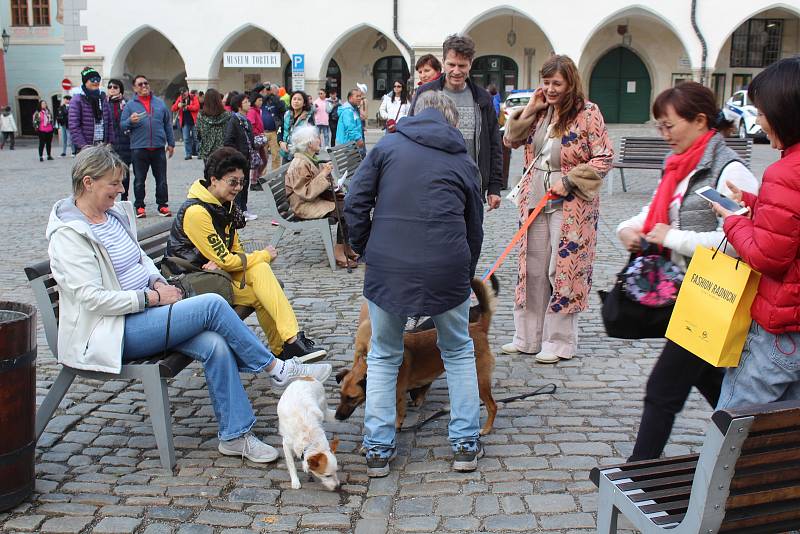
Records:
x=32, y=65
x=626, y=53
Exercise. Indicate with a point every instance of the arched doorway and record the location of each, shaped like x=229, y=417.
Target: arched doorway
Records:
x=620, y=86
x=249, y=38
x=333, y=78
x=384, y=73
x=499, y=70
x=27, y=102
x=148, y=52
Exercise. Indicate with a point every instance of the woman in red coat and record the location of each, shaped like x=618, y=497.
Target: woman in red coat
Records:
x=769, y=241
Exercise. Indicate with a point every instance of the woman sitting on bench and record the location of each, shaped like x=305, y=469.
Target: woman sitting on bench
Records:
x=308, y=189
x=115, y=307
x=204, y=234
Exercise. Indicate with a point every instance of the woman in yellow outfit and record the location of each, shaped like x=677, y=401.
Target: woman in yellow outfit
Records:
x=204, y=234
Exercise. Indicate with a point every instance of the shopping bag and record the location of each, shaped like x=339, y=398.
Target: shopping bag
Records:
x=712, y=314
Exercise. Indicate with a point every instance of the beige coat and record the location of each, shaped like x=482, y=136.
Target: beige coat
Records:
x=304, y=185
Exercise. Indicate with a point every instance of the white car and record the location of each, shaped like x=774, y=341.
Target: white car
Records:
x=742, y=113
x=516, y=100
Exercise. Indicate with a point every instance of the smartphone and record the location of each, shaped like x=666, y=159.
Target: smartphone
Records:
x=712, y=195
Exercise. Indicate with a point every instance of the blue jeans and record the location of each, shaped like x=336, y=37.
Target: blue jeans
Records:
x=325, y=132
x=384, y=359
x=768, y=371
x=189, y=140
x=207, y=329
x=66, y=141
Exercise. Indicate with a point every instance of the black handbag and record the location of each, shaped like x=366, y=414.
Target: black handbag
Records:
x=627, y=319
x=199, y=281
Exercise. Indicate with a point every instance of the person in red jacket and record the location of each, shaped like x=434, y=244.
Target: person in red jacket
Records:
x=187, y=105
x=769, y=241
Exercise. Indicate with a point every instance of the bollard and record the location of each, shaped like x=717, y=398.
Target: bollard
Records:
x=17, y=402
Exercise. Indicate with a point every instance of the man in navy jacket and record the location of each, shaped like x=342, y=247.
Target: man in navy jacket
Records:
x=421, y=245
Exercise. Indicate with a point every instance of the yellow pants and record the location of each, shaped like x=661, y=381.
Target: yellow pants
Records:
x=263, y=292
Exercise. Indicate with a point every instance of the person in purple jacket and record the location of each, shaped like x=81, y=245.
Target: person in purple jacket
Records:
x=89, y=113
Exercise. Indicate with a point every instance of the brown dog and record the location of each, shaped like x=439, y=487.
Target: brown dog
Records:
x=422, y=362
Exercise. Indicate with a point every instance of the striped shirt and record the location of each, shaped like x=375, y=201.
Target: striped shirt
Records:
x=125, y=254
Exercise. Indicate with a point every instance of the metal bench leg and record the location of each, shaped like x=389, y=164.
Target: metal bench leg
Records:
x=53, y=399
x=622, y=175
x=327, y=240
x=276, y=237
x=607, y=513
x=155, y=390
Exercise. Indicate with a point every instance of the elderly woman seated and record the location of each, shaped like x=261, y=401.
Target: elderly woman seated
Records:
x=309, y=189
x=204, y=234
x=115, y=306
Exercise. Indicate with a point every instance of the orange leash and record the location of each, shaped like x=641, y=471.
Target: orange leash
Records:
x=524, y=228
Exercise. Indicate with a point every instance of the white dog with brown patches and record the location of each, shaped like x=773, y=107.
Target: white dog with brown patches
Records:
x=301, y=412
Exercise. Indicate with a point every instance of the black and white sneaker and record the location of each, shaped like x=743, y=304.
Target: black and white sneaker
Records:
x=466, y=460
x=378, y=466
x=303, y=349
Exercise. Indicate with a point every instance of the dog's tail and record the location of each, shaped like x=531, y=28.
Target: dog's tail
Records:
x=486, y=293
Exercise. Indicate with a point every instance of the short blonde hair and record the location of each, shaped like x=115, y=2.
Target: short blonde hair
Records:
x=96, y=162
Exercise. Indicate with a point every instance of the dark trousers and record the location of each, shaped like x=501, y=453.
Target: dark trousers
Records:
x=7, y=136
x=668, y=387
x=144, y=160
x=126, y=180
x=241, y=197
x=45, y=142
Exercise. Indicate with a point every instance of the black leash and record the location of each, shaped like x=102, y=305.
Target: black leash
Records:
x=547, y=389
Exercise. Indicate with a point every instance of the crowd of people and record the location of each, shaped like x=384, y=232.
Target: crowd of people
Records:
x=414, y=216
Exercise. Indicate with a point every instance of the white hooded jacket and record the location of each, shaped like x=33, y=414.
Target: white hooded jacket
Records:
x=92, y=305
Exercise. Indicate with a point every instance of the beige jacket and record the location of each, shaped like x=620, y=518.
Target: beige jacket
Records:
x=92, y=305
x=304, y=184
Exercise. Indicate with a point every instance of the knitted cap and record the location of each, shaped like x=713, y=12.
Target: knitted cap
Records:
x=89, y=73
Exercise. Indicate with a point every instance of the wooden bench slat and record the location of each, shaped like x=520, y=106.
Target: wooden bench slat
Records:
x=791, y=491
x=768, y=458
x=670, y=507
x=644, y=473
x=667, y=519
x=594, y=475
x=772, y=440
x=768, y=474
x=656, y=483
x=760, y=515
x=678, y=492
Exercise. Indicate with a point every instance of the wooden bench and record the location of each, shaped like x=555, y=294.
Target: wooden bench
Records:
x=345, y=158
x=281, y=212
x=746, y=479
x=649, y=153
x=153, y=372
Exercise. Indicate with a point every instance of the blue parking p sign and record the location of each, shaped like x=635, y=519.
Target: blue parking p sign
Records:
x=298, y=63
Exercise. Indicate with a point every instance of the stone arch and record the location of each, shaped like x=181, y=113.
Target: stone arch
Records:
x=147, y=50
x=528, y=46
x=347, y=35
x=248, y=37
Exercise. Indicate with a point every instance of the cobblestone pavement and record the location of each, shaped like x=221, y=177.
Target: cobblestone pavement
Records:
x=97, y=466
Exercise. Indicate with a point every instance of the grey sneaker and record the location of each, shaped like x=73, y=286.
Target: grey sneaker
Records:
x=250, y=447
x=378, y=466
x=465, y=460
x=294, y=369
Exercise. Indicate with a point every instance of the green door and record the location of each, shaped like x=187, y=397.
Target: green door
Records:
x=620, y=86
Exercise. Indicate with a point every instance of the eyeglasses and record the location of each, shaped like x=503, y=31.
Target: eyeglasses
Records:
x=233, y=182
x=142, y=84
x=112, y=86
x=662, y=127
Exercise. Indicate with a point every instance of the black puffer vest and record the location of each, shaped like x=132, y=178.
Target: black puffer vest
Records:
x=181, y=246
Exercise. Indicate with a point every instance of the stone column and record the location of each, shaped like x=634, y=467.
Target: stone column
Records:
x=312, y=86
x=202, y=84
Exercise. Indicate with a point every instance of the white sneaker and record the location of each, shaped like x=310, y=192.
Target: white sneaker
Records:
x=547, y=358
x=249, y=216
x=510, y=348
x=250, y=447
x=294, y=369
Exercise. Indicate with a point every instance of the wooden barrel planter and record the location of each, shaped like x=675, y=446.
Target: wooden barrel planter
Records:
x=17, y=402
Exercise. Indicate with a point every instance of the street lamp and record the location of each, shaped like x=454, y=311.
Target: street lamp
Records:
x=6, y=41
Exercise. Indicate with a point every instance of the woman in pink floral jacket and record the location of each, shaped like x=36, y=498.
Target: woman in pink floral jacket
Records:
x=567, y=152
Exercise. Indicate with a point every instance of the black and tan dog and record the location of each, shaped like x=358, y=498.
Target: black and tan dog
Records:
x=422, y=361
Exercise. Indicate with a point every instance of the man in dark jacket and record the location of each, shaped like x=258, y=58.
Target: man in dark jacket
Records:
x=421, y=245
x=477, y=119
x=272, y=111
x=122, y=141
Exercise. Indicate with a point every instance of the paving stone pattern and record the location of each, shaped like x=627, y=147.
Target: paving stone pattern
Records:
x=97, y=466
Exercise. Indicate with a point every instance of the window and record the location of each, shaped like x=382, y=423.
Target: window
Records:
x=740, y=81
x=499, y=70
x=756, y=43
x=385, y=72
x=680, y=77
x=19, y=12
x=41, y=12
x=333, y=78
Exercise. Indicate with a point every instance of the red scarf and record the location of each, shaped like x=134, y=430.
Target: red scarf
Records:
x=676, y=168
